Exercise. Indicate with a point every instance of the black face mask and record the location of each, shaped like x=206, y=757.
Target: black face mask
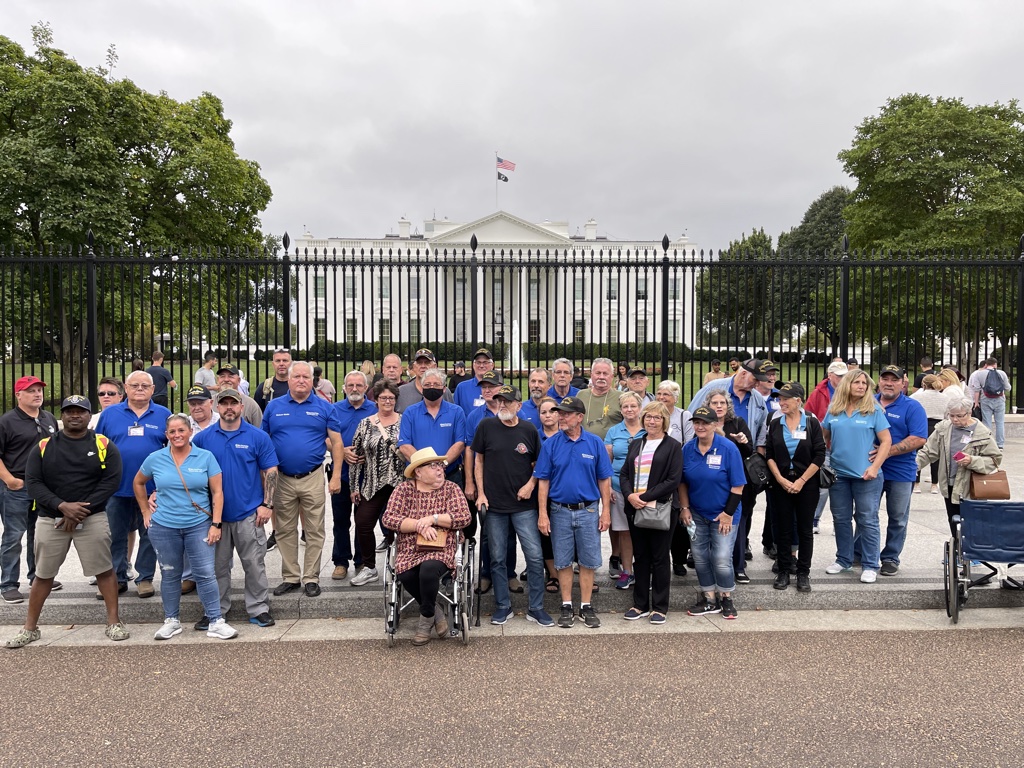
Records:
x=432, y=394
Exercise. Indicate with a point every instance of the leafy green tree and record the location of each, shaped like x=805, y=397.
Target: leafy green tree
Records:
x=80, y=150
x=936, y=178
x=935, y=173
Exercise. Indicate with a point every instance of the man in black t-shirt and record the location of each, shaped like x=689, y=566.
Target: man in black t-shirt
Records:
x=162, y=379
x=505, y=450
x=927, y=367
x=276, y=385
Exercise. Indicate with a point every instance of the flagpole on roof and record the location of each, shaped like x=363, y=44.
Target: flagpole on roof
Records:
x=496, y=208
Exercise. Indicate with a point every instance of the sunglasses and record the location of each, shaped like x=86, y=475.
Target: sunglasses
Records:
x=108, y=394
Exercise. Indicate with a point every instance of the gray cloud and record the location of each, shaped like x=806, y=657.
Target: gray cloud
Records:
x=651, y=118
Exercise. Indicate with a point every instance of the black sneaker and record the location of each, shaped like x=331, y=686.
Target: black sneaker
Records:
x=703, y=607
x=589, y=616
x=679, y=569
x=689, y=562
x=202, y=625
x=889, y=568
x=284, y=587
x=263, y=620
x=728, y=609
x=803, y=583
x=565, y=618
x=272, y=541
x=742, y=578
x=312, y=589
x=748, y=555
x=770, y=551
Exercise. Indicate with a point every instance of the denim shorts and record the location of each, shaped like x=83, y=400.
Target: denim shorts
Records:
x=574, y=536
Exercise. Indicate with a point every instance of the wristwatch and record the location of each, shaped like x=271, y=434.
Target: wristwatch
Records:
x=218, y=526
x=435, y=518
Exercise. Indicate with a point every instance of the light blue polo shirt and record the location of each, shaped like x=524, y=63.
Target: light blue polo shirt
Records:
x=573, y=467
x=242, y=455
x=619, y=439
x=906, y=418
x=852, y=438
x=174, y=509
x=349, y=417
x=421, y=430
x=711, y=481
x=120, y=424
x=299, y=431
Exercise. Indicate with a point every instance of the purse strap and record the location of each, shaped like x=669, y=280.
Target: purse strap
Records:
x=187, y=493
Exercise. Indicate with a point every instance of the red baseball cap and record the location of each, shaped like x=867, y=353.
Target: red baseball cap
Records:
x=25, y=382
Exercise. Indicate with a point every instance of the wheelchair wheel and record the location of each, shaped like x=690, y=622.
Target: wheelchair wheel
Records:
x=465, y=628
x=948, y=576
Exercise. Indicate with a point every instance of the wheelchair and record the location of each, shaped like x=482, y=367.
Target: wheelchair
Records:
x=986, y=532
x=455, y=596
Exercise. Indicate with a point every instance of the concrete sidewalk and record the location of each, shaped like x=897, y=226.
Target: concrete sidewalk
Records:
x=917, y=586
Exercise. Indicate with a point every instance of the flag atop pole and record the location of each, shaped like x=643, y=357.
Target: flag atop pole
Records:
x=506, y=165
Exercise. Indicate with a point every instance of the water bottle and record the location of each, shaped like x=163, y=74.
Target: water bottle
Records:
x=691, y=528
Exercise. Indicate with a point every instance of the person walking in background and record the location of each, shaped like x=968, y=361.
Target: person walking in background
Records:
x=163, y=382
x=205, y=375
x=988, y=387
x=934, y=403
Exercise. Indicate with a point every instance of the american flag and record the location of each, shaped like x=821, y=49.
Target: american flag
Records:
x=507, y=165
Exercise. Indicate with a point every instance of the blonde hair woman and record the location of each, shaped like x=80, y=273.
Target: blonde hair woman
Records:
x=934, y=402
x=857, y=436
x=949, y=382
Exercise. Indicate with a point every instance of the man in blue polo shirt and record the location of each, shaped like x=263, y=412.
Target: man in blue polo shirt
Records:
x=349, y=411
x=436, y=424
x=137, y=428
x=249, y=465
x=574, y=473
x=301, y=424
x=538, y=383
x=908, y=427
x=561, y=374
x=467, y=394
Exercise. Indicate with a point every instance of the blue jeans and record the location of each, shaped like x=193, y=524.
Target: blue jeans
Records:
x=855, y=499
x=712, y=555
x=15, y=511
x=525, y=524
x=123, y=514
x=170, y=545
x=897, y=509
x=574, y=533
x=993, y=409
x=485, y=555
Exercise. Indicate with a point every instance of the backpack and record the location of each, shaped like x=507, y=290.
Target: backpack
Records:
x=101, y=448
x=268, y=390
x=993, y=386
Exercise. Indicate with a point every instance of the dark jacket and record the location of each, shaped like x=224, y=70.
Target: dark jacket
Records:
x=738, y=425
x=666, y=472
x=810, y=450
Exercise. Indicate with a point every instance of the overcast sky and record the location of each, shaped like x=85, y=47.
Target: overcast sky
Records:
x=652, y=118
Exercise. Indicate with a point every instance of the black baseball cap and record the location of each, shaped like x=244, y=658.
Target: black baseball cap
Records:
x=571, y=405
x=492, y=377
x=198, y=392
x=892, y=370
x=634, y=371
x=704, y=414
x=483, y=351
x=76, y=401
x=425, y=353
x=509, y=393
x=791, y=389
x=229, y=368
x=753, y=367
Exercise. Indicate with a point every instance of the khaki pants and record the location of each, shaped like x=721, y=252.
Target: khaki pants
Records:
x=305, y=498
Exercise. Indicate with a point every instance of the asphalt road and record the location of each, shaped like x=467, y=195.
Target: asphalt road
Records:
x=938, y=698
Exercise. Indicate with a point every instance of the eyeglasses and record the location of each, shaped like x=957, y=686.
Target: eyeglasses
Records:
x=108, y=394
x=386, y=399
x=138, y=386
x=434, y=464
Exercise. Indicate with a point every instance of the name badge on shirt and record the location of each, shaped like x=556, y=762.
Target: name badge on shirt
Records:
x=965, y=439
x=478, y=402
x=136, y=431
x=714, y=461
x=800, y=434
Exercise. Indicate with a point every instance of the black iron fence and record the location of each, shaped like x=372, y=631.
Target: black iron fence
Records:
x=70, y=316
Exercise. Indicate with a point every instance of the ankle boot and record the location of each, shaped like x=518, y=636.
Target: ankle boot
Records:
x=423, y=628
x=440, y=623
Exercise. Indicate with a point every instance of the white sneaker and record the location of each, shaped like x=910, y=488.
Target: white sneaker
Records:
x=868, y=577
x=816, y=528
x=365, y=576
x=131, y=574
x=221, y=630
x=92, y=581
x=835, y=568
x=935, y=489
x=170, y=628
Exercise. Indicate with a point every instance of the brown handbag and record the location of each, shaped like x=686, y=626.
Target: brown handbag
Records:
x=439, y=543
x=993, y=487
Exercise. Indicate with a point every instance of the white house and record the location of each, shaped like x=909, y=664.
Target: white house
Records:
x=533, y=283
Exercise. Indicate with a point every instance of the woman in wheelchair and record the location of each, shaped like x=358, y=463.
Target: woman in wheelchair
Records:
x=959, y=435
x=424, y=511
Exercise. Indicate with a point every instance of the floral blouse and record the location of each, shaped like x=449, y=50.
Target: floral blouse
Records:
x=406, y=501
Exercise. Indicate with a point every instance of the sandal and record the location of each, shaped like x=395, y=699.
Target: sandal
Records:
x=552, y=585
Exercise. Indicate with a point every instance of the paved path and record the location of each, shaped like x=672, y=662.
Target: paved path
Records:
x=696, y=692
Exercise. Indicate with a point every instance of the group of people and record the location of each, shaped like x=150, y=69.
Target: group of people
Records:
x=422, y=460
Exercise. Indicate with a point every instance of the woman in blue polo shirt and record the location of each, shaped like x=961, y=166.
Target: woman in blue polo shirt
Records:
x=713, y=471
x=854, y=426
x=187, y=518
